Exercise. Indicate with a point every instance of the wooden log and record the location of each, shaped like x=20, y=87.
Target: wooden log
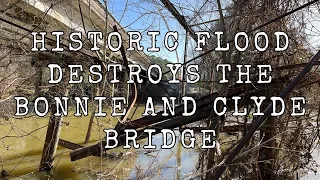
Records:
x=73, y=146
x=51, y=143
x=88, y=135
x=53, y=131
x=68, y=144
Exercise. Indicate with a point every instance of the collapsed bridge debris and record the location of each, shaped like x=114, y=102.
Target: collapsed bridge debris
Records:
x=204, y=110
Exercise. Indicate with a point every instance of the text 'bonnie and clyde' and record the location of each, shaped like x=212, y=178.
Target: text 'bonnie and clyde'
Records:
x=96, y=75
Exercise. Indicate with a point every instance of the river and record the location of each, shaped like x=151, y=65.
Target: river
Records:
x=22, y=143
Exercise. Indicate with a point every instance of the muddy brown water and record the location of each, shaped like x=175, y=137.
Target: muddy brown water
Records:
x=21, y=143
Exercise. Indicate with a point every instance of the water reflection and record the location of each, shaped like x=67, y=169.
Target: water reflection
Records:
x=173, y=163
